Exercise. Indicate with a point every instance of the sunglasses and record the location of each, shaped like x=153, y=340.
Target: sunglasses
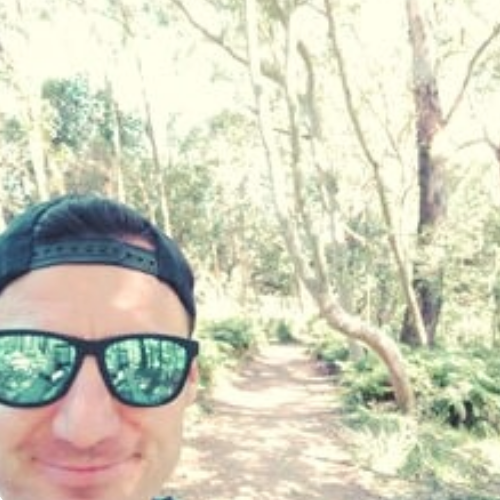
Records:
x=142, y=370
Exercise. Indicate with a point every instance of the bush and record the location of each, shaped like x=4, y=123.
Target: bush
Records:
x=237, y=336
x=442, y=446
x=223, y=344
x=366, y=382
x=445, y=463
x=281, y=331
x=329, y=349
x=211, y=358
x=458, y=388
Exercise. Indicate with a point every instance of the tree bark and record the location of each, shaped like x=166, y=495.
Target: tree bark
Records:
x=429, y=268
x=382, y=344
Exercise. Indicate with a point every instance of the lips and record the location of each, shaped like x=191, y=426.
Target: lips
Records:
x=86, y=475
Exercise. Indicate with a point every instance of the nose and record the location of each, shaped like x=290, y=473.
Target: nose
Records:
x=87, y=415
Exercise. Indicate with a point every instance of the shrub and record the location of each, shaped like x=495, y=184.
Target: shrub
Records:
x=329, y=349
x=211, y=358
x=236, y=336
x=366, y=382
x=223, y=344
x=440, y=447
x=281, y=331
x=457, y=387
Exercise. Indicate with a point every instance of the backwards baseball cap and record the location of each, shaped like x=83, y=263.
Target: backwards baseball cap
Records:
x=22, y=250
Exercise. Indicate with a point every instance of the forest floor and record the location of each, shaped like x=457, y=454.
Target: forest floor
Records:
x=274, y=431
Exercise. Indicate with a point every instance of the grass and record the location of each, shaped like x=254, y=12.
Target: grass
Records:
x=441, y=463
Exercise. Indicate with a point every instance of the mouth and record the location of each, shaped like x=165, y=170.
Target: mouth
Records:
x=86, y=475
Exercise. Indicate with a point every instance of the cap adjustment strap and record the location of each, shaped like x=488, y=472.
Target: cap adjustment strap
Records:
x=94, y=251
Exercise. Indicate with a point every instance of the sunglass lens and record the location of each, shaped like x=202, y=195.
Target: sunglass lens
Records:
x=34, y=369
x=146, y=371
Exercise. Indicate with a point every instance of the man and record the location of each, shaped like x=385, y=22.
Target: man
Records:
x=96, y=361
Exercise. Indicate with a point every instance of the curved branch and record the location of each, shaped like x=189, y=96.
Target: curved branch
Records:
x=267, y=70
x=216, y=38
x=470, y=68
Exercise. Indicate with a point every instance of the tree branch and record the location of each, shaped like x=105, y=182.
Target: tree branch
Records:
x=267, y=70
x=384, y=203
x=470, y=68
x=217, y=38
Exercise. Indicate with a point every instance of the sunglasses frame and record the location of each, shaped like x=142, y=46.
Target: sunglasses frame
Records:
x=97, y=349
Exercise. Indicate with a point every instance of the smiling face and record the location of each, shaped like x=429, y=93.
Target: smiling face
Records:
x=88, y=445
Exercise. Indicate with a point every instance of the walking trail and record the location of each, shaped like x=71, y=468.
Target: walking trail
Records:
x=271, y=435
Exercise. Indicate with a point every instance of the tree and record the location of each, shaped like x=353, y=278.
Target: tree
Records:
x=413, y=310
x=27, y=85
x=430, y=122
x=291, y=129
x=89, y=135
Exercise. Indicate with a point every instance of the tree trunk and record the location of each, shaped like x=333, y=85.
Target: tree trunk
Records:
x=303, y=242
x=37, y=145
x=383, y=345
x=161, y=189
x=413, y=310
x=116, y=157
x=428, y=271
x=30, y=90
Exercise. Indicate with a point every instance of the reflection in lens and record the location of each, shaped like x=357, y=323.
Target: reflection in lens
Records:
x=146, y=371
x=33, y=368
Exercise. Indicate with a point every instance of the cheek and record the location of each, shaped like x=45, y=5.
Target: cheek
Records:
x=163, y=423
x=19, y=431
x=17, y=425
x=162, y=431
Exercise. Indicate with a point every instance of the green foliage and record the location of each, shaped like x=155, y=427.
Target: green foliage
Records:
x=331, y=351
x=449, y=464
x=366, y=382
x=220, y=209
x=280, y=330
x=327, y=348
x=81, y=117
x=74, y=111
x=224, y=343
x=458, y=387
x=210, y=360
x=273, y=271
x=12, y=131
x=446, y=463
x=441, y=446
x=430, y=455
x=237, y=336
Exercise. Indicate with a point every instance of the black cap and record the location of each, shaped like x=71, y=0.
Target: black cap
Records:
x=21, y=252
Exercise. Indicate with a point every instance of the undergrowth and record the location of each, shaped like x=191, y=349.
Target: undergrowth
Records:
x=451, y=445
x=224, y=344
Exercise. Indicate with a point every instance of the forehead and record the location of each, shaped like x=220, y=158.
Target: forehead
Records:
x=91, y=298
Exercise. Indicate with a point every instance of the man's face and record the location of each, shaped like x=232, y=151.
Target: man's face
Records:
x=88, y=445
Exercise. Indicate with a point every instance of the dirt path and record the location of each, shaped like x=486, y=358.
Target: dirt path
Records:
x=270, y=436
